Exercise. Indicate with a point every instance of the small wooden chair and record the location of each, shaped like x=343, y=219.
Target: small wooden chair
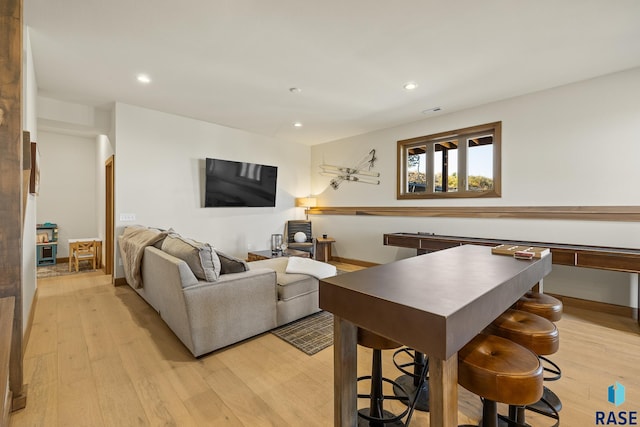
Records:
x=84, y=251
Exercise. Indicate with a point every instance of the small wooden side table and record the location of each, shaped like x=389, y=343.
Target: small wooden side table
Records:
x=323, y=248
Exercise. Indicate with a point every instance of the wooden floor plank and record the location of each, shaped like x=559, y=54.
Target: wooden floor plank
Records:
x=119, y=400
x=41, y=373
x=78, y=404
x=208, y=409
x=247, y=406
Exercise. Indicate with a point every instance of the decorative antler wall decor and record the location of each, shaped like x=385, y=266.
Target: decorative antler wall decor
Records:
x=359, y=173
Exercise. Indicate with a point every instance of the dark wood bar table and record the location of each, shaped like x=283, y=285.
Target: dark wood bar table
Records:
x=433, y=303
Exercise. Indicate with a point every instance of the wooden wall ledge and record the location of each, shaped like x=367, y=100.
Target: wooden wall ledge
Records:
x=582, y=213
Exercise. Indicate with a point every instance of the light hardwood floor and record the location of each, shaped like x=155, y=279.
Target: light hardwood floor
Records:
x=98, y=355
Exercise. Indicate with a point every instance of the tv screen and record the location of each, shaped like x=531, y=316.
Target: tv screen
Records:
x=230, y=183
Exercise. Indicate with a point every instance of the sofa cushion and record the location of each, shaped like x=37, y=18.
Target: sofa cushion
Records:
x=200, y=257
x=231, y=264
x=295, y=285
x=279, y=264
x=311, y=267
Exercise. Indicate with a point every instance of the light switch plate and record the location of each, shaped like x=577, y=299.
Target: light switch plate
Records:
x=127, y=217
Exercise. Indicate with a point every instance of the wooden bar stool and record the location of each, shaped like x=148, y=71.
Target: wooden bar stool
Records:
x=551, y=309
x=376, y=415
x=533, y=332
x=499, y=370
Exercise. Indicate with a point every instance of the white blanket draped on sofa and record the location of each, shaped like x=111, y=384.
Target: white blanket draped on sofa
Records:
x=132, y=243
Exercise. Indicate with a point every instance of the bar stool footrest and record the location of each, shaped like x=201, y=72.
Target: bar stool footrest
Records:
x=551, y=367
x=405, y=385
x=388, y=417
x=363, y=419
x=417, y=366
x=548, y=405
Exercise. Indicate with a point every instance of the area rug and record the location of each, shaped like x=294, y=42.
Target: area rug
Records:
x=62, y=269
x=309, y=334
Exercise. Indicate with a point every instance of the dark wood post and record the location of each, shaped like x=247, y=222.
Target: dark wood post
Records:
x=11, y=182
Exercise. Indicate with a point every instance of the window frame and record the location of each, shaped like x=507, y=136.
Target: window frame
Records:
x=429, y=141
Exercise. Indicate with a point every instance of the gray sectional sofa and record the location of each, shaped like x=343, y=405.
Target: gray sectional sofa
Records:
x=232, y=300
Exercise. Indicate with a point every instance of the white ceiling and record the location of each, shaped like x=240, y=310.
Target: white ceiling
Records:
x=232, y=62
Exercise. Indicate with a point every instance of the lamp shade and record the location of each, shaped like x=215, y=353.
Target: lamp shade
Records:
x=306, y=202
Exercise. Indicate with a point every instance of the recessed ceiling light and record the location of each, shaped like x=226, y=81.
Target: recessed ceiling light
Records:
x=295, y=90
x=143, y=78
x=410, y=85
x=431, y=110
x=297, y=125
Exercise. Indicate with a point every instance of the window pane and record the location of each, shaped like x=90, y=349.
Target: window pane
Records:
x=469, y=159
x=480, y=163
x=416, y=178
x=445, y=161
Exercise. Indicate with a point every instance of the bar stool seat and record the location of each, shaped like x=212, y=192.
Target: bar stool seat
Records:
x=376, y=415
x=368, y=339
x=551, y=309
x=538, y=335
x=541, y=304
x=527, y=329
x=499, y=370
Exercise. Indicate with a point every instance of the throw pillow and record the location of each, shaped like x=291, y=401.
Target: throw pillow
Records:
x=311, y=267
x=230, y=264
x=200, y=257
x=158, y=244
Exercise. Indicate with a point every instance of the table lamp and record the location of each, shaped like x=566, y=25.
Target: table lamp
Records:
x=306, y=202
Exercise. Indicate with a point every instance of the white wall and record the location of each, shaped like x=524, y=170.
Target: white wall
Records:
x=67, y=196
x=29, y=123
x=573, y=145
x=104, y=151
x=72, y=118
x=160, y=178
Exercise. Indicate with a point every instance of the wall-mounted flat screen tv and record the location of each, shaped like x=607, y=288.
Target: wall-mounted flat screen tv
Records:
x=230, y=183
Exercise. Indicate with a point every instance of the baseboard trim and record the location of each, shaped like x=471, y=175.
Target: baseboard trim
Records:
x=602, y=307
x=27, y=332
x=20, y=401
x=119, y=281
x=354, y=261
